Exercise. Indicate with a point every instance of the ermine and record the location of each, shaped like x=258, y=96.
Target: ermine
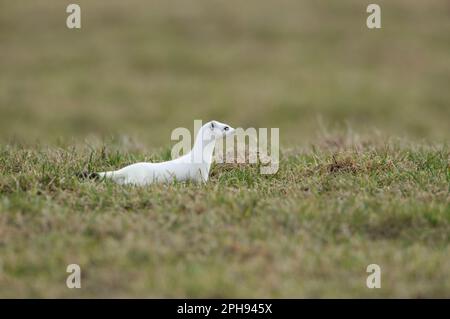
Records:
x=193, y=166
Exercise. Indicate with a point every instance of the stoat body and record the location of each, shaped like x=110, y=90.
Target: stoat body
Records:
x=194, y=166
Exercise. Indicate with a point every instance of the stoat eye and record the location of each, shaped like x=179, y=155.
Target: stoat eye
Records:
x=226, y=128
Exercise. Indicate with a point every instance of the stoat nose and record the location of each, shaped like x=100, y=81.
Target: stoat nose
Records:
x=228, y=130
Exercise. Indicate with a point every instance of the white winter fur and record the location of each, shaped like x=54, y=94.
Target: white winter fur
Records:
x=193, y=166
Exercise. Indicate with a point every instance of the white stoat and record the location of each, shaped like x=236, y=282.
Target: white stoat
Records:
x=193, y=166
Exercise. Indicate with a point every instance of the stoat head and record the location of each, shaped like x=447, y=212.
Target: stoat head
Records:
x=218, y=130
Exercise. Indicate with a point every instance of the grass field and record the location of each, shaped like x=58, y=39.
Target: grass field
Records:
x=364, y=125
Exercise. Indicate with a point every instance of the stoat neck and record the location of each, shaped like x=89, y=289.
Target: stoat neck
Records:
x=202, y=152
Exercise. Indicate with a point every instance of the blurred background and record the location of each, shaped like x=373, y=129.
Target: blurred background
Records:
x=141, y=68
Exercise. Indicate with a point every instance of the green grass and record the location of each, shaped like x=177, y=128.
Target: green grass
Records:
x=364, y=127
x=308, y=231
x=142, y=69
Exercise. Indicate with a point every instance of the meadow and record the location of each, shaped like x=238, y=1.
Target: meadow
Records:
x=364, y=171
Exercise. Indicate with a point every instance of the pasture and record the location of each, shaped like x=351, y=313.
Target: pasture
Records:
x=364, y=171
